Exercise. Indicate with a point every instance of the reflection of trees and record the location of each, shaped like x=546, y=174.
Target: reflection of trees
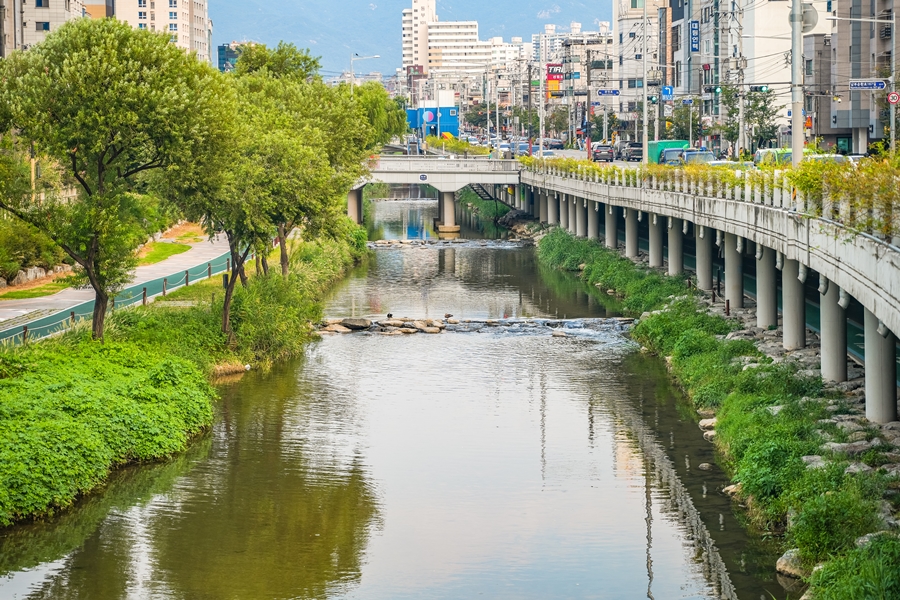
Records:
x=266, y=506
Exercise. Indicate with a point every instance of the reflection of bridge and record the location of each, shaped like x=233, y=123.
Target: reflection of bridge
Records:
x=763, y=225
x=447, y=175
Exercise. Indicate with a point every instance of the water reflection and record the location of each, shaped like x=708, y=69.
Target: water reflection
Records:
x=413, y=219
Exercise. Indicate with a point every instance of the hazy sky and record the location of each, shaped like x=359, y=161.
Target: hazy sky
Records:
x=334, y=29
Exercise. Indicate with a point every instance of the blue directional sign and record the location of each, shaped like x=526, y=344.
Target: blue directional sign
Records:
x=668, y=93
x=607, y=92
x=791, y=113
x=687, y=101
x=695, y=36
x=867, y=84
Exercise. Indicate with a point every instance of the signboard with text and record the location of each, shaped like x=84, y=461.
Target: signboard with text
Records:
x=867, y=84
x=555, y=72
x=695, y=36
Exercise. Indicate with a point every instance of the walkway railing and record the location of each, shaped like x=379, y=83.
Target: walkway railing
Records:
x=402, y=164
x=132, y=295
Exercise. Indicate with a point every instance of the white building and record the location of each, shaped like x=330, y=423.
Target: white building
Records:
x=633, y=39
x=415, y=32
x=186, y=21
x=29, y=21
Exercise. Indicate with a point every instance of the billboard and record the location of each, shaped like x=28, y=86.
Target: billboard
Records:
x=555, y=72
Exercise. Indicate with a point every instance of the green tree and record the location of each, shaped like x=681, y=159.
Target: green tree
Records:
x=683, y=120
x=729, y=101
x=761, y=114
x=478, y=115
x=104, y=103
x=558, y=120
x=386, y=116
x=612, y=124
x=284, y=61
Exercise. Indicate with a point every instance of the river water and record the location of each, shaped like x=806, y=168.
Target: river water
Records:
x=501, y=462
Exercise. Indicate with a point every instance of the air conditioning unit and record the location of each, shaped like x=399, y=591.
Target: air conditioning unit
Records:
x=885, y=32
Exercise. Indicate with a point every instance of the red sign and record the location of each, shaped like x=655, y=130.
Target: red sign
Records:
x=893, y=97
x=555, y=72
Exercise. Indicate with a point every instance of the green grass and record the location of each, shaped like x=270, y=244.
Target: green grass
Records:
x=57, y=285
x=487, y=209
x=762, y=451
x=160, y=251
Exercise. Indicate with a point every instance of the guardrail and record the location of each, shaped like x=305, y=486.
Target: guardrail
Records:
x=445, y=164
x=129, y=296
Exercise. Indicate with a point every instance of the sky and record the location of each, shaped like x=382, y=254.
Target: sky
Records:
x=335, y=29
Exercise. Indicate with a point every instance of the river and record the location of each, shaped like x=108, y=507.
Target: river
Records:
x=503, y=462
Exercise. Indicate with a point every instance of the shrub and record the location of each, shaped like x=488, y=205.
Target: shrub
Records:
x=830, y=523
x=767, y=468
x=22, y=246
x=864, y=573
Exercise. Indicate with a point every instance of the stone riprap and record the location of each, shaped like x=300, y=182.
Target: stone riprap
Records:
x=408, y=326
x=449, y=243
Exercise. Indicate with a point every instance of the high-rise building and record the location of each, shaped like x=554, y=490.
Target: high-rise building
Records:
x=31, y=20
x=186, y=21
x=227, y=55
x=454, y=49
x=415, y=32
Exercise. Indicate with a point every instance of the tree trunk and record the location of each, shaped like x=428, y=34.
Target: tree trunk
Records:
x=237, y=269
x=258, y=266
x=101, y=301
x=282, y=244
x=265, y=265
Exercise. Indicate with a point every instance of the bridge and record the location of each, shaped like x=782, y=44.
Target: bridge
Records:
x=445, y=173
x=760, y=220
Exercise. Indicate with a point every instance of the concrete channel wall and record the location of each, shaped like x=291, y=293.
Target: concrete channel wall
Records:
x=771, y=216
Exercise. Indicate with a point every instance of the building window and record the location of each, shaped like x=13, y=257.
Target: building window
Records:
x=809, y=67
x=676, y=38
x=637, y=3
x=42, y=3
x=173, y=16
x=173, y=27
x=632, y=83
x=678, y=73
x=142, y=14
x=632, y=35
x=42, y=26
x=142, y=26
x=142, y=3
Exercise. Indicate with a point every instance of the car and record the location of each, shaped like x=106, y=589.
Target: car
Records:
x=602, y=152
x=693, y=157
x=554, y=144
x=671, y=157
x=634, y=151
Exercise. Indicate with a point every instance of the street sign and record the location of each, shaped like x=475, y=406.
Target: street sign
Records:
x=607, y=92
x=867, y=84
x=668, y=110
x=668, y=93
x=695, y=36
x=791, y=113
x=893, y=97
x=687, y=101
x=706, y=97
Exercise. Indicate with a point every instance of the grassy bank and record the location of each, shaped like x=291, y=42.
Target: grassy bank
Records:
x=72, y=409
x=487, y=209
x=767, y=420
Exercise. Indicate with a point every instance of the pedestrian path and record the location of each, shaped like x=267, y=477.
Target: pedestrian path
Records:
x=204, y=258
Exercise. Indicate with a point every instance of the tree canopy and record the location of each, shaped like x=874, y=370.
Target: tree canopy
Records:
x=284, y=61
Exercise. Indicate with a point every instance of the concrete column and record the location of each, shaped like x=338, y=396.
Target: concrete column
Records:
x=529, y=201
x=657, y=224
x=676, y=247
x=552, y=210
x=704, y=256
x=563, y=204
x=766, y=288
x=354, y=205
x=734, y=272
x=542, y=206
x=881, y=372
x=834, y=332
x=449, y=213
x=631, y=233
x=581, y=217
x=611, y=234
x=593, y=219
x=793, y=306
x=573, y=214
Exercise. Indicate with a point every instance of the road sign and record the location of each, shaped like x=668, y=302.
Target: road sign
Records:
x=423, y=177
x=687, y=101
x=668, y=110
x=607, y=92
x=668, y=93
x=791, y=113
x=867, y=84
x=894, y=97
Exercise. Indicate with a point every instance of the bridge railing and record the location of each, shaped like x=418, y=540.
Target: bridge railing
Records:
x=444, y=163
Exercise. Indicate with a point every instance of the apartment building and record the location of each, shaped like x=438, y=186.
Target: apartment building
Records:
x=185, y=21
x=634, y=39
x=7, y=28
x=27, y=22
x=414, y=35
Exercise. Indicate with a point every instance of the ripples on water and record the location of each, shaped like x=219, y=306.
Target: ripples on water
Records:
x=503, y=463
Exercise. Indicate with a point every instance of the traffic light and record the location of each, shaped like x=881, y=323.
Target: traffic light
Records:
x=713, y=89
x=653, y=99
x=759, y=88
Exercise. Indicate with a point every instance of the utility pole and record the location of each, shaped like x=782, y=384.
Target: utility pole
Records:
x=487, y=100
x=541, y=77
x=645, y=138
x=2, y=28
x=530, y=104
x=796, y=82
x=590, y=101
x=497, y=108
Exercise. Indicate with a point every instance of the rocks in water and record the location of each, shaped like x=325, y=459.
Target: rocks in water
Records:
x=559, y=334
x=707, y=423
x=790, y=564
x=704, y=467
x=453, y=321
x=408, y=330
x=733, y=490
x=356, y=324
x=337, y=328
x=709, y=435
x=431, y=330
x=391, y=323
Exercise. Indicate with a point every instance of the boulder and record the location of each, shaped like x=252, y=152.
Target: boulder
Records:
x=708, y=423
x=337, y=328
x=431, y=330
x=453, y=321
x=408, y=330
x=814, y=462
x=709, y=435
x=356, y=324
x=789, y=564
x=391, y=323
x=857, y=468
x=733, y=490
x=559, y=334
x=852, y=448
x=420, y=325
x=704, y=467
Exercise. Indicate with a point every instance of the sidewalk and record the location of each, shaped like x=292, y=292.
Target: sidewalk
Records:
x=199, y=253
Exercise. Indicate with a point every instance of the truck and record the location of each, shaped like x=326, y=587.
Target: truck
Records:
x=654, y=149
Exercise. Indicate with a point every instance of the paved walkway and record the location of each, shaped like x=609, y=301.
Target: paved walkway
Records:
x=199, y=253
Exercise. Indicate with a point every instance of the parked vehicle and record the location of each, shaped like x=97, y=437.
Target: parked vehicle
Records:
x=694, y=157
x=619, y=148
x=671, y=157
x=633, y=152
x=602, y=152
x=656, y=148
x=555, y=144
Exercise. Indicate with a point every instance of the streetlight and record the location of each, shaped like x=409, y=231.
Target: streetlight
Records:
x=354, y=57
x=893, y=23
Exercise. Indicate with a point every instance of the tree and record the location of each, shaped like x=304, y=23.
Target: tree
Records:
x=729, y=101
x=559, y=120
x=612, y=123
x=387, y=117
x=284, y=61
x=760, y=114
x=105, y=104
x=684, y=119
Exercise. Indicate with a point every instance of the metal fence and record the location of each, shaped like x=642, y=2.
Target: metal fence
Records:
x=139, y=293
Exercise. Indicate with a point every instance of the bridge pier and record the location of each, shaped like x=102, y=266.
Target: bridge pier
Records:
x=573, y=217
x=529, y=202
x=703, y=237
x=793, y=306
x=355, y=205
x=766, y=288
x=562, y=205
x=881, y=371
x=734, y=272
x=676, y=246
x=656, y=240
x=611, y=233
x=593, y=219
x=631, y=233
x=448, y=212
x=552, y=209
x=581, y=216
x=834, y=332
x=543, y=198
